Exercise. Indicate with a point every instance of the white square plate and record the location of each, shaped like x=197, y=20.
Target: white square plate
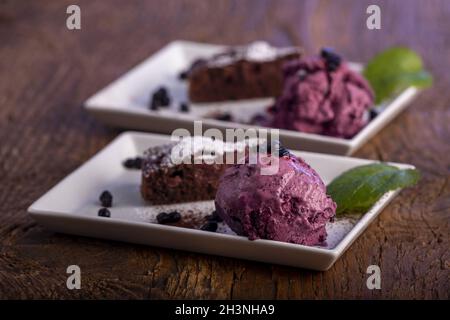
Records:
x=72, y=205
x=124, y=103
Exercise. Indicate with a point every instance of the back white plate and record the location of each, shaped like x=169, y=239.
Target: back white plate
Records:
x=124, y=102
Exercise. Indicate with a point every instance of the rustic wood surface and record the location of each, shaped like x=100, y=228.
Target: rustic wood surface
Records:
x=47, y=71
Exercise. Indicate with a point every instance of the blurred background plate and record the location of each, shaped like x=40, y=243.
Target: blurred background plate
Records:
x=124, y=103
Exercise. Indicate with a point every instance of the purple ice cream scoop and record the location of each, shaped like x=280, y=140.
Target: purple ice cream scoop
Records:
x=290, y=206
x=322, y=96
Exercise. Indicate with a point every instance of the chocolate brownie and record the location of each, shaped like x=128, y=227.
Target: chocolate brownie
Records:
x=189, y=175
x=252, y=71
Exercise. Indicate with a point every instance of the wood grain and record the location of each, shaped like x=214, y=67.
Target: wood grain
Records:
x=47, y=72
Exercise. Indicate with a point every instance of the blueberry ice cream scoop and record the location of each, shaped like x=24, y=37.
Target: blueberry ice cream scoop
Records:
x=290, y=206
x=322, y=95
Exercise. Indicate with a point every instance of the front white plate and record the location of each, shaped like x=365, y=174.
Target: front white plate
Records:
x=72, y=205
x=124, y=103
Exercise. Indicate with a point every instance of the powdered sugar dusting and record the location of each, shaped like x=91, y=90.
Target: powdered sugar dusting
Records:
x=258, y=51
x=338, y=229
x=194, y=149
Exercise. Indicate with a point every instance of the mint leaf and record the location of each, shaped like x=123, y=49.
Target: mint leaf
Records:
x=357, y=190
x=394, y=70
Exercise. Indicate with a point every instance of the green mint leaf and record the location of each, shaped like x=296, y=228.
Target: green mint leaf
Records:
x=357, y=190
x=394, y=70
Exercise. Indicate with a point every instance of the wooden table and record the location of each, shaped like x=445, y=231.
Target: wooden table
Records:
x=48, y=71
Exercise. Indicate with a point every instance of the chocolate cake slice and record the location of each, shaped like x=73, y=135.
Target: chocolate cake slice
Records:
x=188, y=170
x=245, y=72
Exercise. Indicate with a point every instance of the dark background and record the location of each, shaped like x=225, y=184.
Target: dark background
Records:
x=47, y=71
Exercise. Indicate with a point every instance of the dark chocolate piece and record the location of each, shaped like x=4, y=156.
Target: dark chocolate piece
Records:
x=372, y=114
x=104, y=212
x=224, y=117
x=106, y=199
x=170, y=217
x=209, y=226
x=160, y=98
x=184, y=107
x=133, y=163
x=332, y=59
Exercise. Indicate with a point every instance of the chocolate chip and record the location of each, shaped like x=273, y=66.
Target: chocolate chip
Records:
x=184, y=107
x=213, y=217
x=372, y=114
x=170, y=217
x=103, y=212
x=332, y=66
x=224, y=117
x=183, y=75
x=160, y=98
x=332, y=59
x=128, y=163
x=133, y=163
x=216, y=216
x=106, y=199
x=209, y=226
x=138, y=163
x=283, y=152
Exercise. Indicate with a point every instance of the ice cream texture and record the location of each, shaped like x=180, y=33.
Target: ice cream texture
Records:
x=322, y=95
x=290, y=206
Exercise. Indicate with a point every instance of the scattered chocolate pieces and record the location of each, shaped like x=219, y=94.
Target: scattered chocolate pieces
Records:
x=160, y=98
x=133, y=163
x=184, y=107
x=332, y=59
x=106, y=199
x=170, y=217
x=104, y=212
x=209, y=226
